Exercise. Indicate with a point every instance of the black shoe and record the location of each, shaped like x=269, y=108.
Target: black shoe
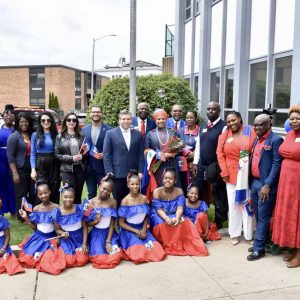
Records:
x=255, y=256
x=250, y=249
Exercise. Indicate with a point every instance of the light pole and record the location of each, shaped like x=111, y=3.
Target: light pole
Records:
x=93, y=58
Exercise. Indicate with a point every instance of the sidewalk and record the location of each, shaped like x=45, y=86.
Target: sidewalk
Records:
x=225, y=274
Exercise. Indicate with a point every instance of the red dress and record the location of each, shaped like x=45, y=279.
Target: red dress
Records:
x=286, y=230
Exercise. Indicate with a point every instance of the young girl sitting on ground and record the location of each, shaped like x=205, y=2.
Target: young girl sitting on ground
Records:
x=196, y=211
x=8, y=261
x=177, y=235
x=103, y=241
x=72, y=230
x=138, y=243
x=33, y=247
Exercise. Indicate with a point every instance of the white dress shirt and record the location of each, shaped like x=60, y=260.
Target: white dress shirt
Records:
x=126, y=135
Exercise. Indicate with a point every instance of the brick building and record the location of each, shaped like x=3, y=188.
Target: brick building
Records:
x=31, y=85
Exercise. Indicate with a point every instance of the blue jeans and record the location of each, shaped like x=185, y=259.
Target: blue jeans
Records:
x=263, y=213
x=92, y=182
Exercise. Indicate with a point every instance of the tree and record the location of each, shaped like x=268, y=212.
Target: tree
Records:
x=53, y=101
x=160, y=91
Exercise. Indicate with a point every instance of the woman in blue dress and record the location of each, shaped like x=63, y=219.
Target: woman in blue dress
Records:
x=177, y=234
x=138, y=243
x=33, y=247
x=72, y=230
x=103, y=241
x=196, y=211
x=7, y=192
x=8, y=262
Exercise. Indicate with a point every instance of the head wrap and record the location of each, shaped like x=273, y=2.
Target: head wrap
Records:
x=160, y=113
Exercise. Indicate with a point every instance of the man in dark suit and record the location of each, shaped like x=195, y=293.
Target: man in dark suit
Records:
x=94, y=134
x=265, y=164
x=142, y=122
x=123, y=150
x=176, y=121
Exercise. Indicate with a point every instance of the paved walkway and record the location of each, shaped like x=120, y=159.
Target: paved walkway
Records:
x=225, y=274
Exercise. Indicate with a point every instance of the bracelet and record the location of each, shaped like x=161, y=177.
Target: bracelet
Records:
x=108, y=242
x=14, y=174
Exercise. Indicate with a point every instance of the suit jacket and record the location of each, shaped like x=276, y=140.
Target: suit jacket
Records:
x=95, y=165
x=171, y=125
x=269, y=163
x=150, y=124
x=117, y=158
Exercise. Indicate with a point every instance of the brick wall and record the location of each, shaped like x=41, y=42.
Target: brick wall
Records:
x=14, y=87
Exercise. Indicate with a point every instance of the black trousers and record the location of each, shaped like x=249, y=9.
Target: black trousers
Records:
x=219, y=193
x=120, y=189
x=26, y=187
x=76, y=180
x=47, y=168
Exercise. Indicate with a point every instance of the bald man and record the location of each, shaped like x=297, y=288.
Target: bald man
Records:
x=176, y=121
x=265, y=164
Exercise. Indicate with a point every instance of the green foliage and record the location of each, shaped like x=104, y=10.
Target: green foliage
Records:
x=115, y=95
x=53, y=101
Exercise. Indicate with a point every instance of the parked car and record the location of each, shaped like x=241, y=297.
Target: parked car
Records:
x=36, y=111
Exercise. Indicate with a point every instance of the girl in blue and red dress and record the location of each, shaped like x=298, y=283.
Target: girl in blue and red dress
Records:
x=72, y=230
x=138, y=243
x=196, y=211
x=33, y=247
x=8, y=262
x=103, y=241
x=178, y=235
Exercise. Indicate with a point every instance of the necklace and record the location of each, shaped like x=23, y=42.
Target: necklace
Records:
x=160, y=142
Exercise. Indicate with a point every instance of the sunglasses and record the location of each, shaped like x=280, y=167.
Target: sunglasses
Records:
x=46, y=121
x=72, y=120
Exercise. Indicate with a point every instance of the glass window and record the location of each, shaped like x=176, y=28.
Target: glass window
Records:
x=216, y=35
x=282, y=85
x=214, y=86
x=229, y=88
x=188, y=48
x=78, y=103
x=37, y=101
x=188, y=9
x=197, y=45
x=259, y=28
x=258, y=85
x=230, y=31
x=252, y=115
x=279, y=119
x=197, y=8
x=284, y=26
x=196, y=86
x=37, y=78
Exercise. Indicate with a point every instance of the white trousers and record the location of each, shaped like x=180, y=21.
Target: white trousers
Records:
x=238, y=218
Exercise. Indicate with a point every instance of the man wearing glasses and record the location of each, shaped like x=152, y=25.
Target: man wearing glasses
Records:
x=94, y=134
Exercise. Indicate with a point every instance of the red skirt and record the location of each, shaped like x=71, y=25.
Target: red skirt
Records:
x=206, y=229
x=182, y=239
x=286, y=227
x=10, y=265
x=106, y=261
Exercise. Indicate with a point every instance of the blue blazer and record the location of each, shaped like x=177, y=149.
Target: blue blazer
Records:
x=150, y=124
x=95, y=165
x=269, y=163
x=170, y=123
x=117, y=158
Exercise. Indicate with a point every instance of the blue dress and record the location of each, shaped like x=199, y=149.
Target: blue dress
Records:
x=136, y=249
x=8, y=262
x=97, y=240
x=182, y=239
x=33, y=248
x=7, y=191
x=191, y=212
x=71, y=246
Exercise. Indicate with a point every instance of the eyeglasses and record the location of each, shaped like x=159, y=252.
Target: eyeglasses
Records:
x=72, y=120
x=96, y=112
x=46, y=121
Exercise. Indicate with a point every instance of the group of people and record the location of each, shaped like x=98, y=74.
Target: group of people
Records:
x=163, y=171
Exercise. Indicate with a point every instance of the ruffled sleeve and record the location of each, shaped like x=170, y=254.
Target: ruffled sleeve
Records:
x=157, y=204
x=41, y=217
x=54, y=214
x=203, y=206
x=4, y=224
x=128, y=211
x=181, y=200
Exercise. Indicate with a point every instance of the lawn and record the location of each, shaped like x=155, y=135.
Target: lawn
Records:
x=19, y=231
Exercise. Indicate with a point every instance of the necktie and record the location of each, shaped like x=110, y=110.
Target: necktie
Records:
x=209, y=124
x=176, y=126
x=143, y=128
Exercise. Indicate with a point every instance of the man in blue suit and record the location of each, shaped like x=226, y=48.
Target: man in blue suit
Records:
x=123, y=151
x=142, y=122
x=264, y=167
x=94, y=134
x=176, y=121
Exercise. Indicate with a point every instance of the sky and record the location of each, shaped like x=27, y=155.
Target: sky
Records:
x=38, y=32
